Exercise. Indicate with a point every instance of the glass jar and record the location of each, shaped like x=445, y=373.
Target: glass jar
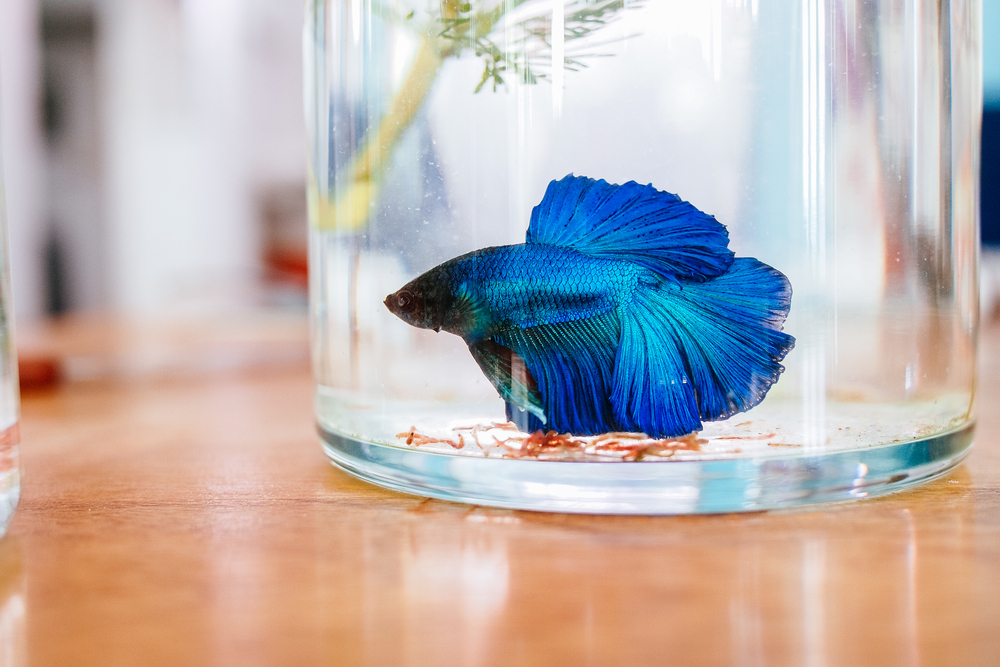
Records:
x=10, y=406
x=837, y=141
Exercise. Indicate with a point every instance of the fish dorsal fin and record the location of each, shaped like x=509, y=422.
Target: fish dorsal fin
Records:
x=635, y=222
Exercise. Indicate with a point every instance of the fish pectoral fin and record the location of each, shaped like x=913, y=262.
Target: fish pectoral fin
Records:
x=509, y=375
x=469, y=314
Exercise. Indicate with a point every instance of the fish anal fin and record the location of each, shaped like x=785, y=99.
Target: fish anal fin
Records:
x=509, y=375
x=524, y=420
x=573, y=364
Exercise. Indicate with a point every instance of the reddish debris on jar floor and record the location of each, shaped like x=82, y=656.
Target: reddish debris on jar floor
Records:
x=766, y=436
x=551, y=445
x=637, y=445
x=414, y=438
x=539, y=442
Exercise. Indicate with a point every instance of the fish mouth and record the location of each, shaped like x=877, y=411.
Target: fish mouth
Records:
x=395, y=304
x=410, y=308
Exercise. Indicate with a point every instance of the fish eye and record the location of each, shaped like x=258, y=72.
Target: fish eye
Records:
x=404, y=300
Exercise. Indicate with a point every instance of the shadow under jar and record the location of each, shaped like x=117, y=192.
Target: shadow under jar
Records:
x=837, y=141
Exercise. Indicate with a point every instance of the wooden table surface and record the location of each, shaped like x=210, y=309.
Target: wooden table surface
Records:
x=177, y=510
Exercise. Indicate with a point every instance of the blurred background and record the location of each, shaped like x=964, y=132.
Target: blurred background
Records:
x=990, y=190
x=155, y=155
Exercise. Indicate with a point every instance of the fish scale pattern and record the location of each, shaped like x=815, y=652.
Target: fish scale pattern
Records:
x=532, y=285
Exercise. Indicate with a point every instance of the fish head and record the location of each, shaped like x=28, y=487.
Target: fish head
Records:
x=422, y=303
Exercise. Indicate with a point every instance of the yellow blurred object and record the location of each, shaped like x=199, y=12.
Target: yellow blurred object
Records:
x=349, y=213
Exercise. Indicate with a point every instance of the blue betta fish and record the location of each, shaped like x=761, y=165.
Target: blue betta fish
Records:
x=624, y=310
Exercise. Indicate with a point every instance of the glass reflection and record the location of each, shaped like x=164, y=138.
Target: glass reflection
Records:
x=876, y=582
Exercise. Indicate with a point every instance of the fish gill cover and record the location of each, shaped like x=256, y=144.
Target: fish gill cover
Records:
x=624, y=310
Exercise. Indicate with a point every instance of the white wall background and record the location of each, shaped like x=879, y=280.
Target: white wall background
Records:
x=199, y=113
x=177, y=200
x=23, y=158
x=193, y=133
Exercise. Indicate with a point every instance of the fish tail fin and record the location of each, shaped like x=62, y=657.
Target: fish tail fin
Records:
x=700, y=351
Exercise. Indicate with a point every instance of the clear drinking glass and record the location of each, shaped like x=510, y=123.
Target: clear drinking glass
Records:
x=10, y=470
x=838, y=140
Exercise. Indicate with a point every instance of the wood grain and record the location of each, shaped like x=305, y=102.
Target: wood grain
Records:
x=186, y=518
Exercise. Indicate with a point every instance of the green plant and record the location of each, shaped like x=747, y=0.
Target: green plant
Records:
x=461, y=26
